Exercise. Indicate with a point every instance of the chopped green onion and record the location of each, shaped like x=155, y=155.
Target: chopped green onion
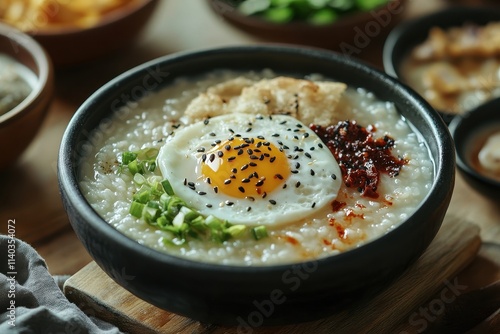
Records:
x=128, y=157
x=259, y=232
x=236, y=230
x=167, y=187
x=136, y=209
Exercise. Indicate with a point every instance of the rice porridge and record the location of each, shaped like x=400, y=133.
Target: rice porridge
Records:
x=321, y=199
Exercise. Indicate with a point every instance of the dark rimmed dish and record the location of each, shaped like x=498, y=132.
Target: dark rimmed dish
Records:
x=280, y=294
x=19, y=126
x=350, y=34
x=406, y=36
x=469, y=132
x=70, y=46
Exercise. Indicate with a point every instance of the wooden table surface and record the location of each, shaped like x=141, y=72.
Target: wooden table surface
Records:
x=29, y=192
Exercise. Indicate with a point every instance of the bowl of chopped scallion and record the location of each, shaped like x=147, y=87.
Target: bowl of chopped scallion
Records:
x=334, y=24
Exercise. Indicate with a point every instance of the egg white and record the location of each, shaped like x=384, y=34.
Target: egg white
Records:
x=314, y=184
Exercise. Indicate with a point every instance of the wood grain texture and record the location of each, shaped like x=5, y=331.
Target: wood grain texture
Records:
x=453, y=248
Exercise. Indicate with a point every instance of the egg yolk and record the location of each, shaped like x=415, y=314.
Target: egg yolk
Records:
x=245, y=167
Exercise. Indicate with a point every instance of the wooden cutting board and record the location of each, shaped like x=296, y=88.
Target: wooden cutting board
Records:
x=393, y=310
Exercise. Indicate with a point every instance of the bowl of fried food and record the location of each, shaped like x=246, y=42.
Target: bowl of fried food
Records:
x=77, y=31
x=450, y=57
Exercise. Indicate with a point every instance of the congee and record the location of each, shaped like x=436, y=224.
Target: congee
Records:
x=255, y=169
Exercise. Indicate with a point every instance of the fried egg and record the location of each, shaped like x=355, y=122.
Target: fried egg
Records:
x=250, y=169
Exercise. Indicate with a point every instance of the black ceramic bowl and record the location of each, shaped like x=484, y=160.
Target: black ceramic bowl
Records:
x=274, y=294
x=470, y=132
x=405, y=37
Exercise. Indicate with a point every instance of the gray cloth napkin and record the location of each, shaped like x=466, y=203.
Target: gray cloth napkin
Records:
x=31, y=299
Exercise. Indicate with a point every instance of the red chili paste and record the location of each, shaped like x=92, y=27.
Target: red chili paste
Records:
x=360, y=156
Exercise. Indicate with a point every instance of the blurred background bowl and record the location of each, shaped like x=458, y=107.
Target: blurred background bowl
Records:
x=350, y=34
x=70, y=45
x=19, y=126
x=405, y=37
x=470, y=131
x=230, y=291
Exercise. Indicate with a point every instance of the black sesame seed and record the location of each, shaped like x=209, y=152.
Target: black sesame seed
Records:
x=220, y=154
x=255, y=174
x=212, y=134
x=244, y=167
x=312, y=172
x=284, y=122
x=250, y=151
x=295, y=137
x=201, y=193
x=227, y=181
x=208, y=180
x=227, y=147
x=229, y=203
x=297, y=165
x=203, y=157
x=241, y=189
x=259, y=183
x=206, y=121
x=272, y=201
x=254, y=157
x=259, y=144
x=216, y=189
x=272, y=159
x=249, y=208
x=313, y=205
x=218, y=141
x=191, y=184
x=201, y=149
x=308, y=155
x=250, y=198
x=261, y=137
x=264, y=195
x=284, y=186
x=248, y=130
x=230, y=130
x=320, y=145
x=279, y=176
x=208, y=205
x=333, y=176
x=276, y=135
x=252, y=164
x=295, y=171
x=245, y=180
x=240, y=151
x=306, y=135
x=231, y=158
x=212, y=157
x=297, y=184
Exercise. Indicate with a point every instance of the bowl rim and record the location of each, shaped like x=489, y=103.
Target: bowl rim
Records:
x=462, y=123
x=106, y=20
x=43, y=64
x=69, y=184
